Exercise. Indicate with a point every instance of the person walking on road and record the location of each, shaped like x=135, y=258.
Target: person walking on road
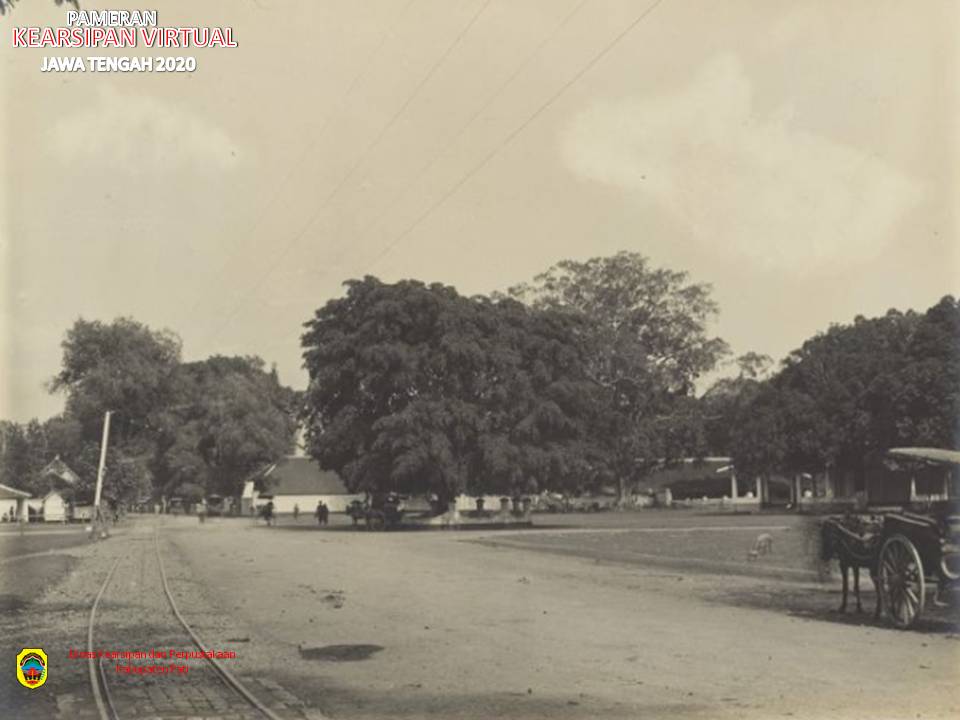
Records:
x=296, y=512
x=268, y=513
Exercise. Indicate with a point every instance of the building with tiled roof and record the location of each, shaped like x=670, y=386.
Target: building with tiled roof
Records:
x=300, y=481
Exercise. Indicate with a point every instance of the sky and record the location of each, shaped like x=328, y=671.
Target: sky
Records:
x=799, y=157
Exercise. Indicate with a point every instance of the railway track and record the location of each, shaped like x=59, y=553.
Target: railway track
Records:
x=208, y=689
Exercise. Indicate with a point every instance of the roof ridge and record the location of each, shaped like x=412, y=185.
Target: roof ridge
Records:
x=297, y=475
x=18, y=491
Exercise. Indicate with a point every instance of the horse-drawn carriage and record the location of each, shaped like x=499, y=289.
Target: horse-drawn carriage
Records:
x=378, y=512
x=909, y=551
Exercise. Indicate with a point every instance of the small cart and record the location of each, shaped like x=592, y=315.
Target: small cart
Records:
x=379, y=512
x=919, y=552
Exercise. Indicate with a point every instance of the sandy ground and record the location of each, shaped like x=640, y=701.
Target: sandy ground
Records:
x=566, y=622
x=436, y=624
x=46, y=596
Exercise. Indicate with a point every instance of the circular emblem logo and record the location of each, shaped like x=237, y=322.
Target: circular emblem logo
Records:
x=32, y=667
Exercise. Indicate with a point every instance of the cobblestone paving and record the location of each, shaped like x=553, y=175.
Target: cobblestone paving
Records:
x=134, y=615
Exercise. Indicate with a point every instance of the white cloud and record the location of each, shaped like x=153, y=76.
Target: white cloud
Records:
x=781, y=195
x=139, y=133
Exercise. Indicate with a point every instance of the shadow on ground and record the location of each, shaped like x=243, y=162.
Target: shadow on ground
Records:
x=340, y=653
x=822, y=605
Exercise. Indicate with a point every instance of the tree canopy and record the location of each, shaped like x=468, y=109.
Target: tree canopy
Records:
x=584, y=376
x=226, y=417
x=646, y=330
x=176, y=428
x=122, y=366
x=855, y=390
x=415, y=388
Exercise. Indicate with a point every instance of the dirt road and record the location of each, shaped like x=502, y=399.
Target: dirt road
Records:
x=433, y=624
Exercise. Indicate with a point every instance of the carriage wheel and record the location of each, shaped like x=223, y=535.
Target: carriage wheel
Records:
x=902, y=585
x=376, y=521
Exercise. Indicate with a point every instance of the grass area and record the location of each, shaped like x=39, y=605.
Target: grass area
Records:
x=23, y=581
x=37, y=538
x=690, y=542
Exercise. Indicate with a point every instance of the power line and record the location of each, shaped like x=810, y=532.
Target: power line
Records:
x=513, y=135
x=370, y=147
x=399, y=197
x=308, y=151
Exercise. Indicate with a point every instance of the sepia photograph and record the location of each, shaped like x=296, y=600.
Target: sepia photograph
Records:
x=438, y=359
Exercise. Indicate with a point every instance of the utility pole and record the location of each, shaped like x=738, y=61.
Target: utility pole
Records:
x=97, y=513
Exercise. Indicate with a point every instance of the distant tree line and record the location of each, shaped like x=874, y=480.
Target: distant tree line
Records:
x=178, y=428
x=583, y=378
x=849, y=393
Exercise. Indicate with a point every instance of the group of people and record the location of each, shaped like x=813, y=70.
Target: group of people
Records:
x=322, y=513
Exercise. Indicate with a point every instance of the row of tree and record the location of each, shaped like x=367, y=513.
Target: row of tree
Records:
x=177, y=428
x=848, y=394
x=584, y=377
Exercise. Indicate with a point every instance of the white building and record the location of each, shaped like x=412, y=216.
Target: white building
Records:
x=52, y=507
x=298, y=481
x=13, y=504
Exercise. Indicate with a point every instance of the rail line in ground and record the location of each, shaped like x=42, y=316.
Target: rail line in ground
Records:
x=97, y=681
x=104, y=698
x=228, y=677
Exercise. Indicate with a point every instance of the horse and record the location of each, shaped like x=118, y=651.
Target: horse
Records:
x=854, y=547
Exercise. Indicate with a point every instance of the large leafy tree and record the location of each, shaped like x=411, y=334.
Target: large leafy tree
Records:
x=854, y=390
x=29, y=448
x=124, y=367
x=646, y=329
x=414, y=388
x=18, y=462
x=925, y=404
x=184, y=428
x=722, y=405
x=539, y=401
x=227, y=417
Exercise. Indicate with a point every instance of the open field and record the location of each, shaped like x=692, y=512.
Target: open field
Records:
x=446, y=624
x=686, y=541
x=682, y=539
x=38, y=537
x=32, y=559
x=560, y=622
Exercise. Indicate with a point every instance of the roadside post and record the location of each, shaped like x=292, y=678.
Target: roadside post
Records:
x=99, y=528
